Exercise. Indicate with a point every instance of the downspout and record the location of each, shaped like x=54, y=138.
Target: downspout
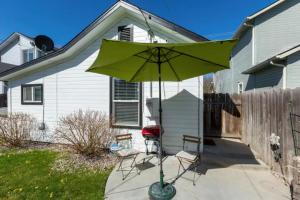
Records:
x=10, y=99
x=283, y=72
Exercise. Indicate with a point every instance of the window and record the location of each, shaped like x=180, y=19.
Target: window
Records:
x=28, y=55
x=125, y=33
x=240, y=88
x=32, y=94
x=125, y=103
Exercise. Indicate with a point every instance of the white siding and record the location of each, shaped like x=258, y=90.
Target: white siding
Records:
x=67, y=87
x=13, y=54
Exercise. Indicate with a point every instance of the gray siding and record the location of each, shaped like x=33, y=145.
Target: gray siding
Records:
x=274, y=31
x=226, y=81
x=270, y=77
x=293, y=71
x=277, y=30
x=223, y=81
x=242, y=60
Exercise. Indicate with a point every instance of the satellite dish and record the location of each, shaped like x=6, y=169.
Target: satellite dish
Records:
x=44, y=43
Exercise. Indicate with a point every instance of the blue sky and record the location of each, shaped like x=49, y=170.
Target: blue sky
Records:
x=63, y=19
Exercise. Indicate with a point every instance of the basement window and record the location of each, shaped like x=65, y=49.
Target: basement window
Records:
x=32, y=94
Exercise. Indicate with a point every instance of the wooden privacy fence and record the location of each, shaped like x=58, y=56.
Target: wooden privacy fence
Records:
x=270, y=112
x=222, y=115
x=254, y=116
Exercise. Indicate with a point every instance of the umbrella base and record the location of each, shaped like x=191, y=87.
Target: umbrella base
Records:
x=157, y=193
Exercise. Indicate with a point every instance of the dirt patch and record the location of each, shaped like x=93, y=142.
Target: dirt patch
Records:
x=70, y=162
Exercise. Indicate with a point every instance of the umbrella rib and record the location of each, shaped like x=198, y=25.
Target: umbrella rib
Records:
x=145, y=58
x=178, y=79
x=168, y=61
x=141, y=67
x=198, y=58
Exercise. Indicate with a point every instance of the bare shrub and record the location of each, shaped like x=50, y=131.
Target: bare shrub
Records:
x=88, y=132
x=16, y=129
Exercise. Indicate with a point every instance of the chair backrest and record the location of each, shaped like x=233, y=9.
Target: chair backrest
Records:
x=125, y=140
x=192, y=139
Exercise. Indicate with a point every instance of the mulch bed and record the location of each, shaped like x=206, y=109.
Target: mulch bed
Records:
x=68, y=160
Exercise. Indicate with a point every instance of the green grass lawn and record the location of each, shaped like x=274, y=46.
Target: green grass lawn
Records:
x=29, y=176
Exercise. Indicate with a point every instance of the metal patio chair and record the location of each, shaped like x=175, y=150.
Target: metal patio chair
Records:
x=193, y=158
x=126, y=152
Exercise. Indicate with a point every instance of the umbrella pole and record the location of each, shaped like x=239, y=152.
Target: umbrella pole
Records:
x=161, y=178
x=161, y=190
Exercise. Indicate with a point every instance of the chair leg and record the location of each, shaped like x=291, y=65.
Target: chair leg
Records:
x=178, y=168
x=137, y=170
x=120, y=167
x=194, y=168
x=132, y=165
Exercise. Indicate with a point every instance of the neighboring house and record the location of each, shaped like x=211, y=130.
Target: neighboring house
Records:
x=16, y=50
x=268, y=52
x=56, y=85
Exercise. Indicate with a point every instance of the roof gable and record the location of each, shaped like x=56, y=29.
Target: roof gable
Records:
x=14, y=36
x=93, y=29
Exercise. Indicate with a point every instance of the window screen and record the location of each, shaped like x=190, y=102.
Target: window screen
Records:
x=125, y=103
x=28, y=55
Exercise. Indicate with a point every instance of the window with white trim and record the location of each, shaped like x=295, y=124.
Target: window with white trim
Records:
x=125, y=103
x=28, y=55
x=240, y=87
x=32, y=94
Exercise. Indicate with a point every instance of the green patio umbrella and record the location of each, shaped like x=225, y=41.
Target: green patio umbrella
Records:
x=142, y=62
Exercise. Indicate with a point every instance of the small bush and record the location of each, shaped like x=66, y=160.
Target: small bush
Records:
x=16, y=129
x=88, y=132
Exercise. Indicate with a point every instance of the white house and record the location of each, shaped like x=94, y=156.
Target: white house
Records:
x=57, y=84
x=15, y=50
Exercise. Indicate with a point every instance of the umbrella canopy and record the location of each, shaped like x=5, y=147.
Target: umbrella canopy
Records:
x=141, y=62
x=137, y=62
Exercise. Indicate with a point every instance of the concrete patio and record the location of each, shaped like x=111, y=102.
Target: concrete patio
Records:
x=229, y=170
